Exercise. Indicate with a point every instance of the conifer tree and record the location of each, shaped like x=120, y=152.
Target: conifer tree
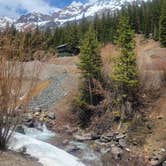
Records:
x=74, y=36
x=124, y=73
x=90, y=64
x=163, y=25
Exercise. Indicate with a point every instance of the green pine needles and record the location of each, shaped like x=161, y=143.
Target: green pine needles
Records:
x=125, y=72
x=90, y=65
x=163, y=25
x=125, y=79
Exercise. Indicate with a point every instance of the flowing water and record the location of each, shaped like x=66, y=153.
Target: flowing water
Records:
x=47, y=154
x=35, y=143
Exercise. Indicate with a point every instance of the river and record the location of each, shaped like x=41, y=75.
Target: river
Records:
x=35, y=142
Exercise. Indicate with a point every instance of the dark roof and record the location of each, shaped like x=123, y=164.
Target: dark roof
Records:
x=63, y=45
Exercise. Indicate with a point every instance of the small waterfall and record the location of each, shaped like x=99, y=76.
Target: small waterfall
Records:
x=40, y=133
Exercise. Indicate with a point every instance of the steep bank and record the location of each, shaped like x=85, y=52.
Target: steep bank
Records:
x=148, y=135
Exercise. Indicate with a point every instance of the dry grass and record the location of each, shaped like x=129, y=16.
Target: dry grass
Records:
x=151, y=61
x=108, y=52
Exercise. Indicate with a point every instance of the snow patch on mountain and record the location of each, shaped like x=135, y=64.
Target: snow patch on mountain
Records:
x=5, y=21
x=75, y=11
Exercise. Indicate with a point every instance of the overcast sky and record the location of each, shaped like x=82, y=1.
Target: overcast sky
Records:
x=13, y=8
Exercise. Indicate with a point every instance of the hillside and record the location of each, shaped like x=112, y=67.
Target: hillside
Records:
x=148, y=136
x=57, y=86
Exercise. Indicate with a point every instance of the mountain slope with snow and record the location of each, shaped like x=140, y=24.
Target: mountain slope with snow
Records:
x=75, y=11
x=5, y=21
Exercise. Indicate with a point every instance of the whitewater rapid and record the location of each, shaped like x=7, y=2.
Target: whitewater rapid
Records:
x=47, y=154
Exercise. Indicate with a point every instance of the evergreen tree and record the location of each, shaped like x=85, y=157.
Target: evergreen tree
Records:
x=73, y=39
x=124, y=72
x=163, y=25
x=90, y=64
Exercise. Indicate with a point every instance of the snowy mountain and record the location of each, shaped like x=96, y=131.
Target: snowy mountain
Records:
x=75, y=11
x=5, y=21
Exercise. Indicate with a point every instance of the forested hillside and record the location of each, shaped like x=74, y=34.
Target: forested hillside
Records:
x=107, y=102
x=147, y=18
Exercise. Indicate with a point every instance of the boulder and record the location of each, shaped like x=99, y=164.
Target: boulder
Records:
x=22, y=150
x=119, y=136
x=36, y=114
x=95, y=136
x=30, y=124
x=157, y=160
x=28, y=117
x=117, y=152
x=20, y=129
x=51, y=115
x=105, y=150
x=71, y=149
x=122, y=143
x=84, y=137
x=105, y=139
x=164, y=163
x=37, y=109
x=65, y=142
x=154, y=162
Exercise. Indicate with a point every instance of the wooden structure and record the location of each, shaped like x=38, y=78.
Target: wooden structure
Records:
x=67, y=50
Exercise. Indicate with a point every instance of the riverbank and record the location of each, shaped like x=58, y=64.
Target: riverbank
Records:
x=8, y=158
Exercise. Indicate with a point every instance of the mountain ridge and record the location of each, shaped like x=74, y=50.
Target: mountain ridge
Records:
x=74, y=11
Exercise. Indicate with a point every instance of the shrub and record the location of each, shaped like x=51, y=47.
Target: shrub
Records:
x=13, y=101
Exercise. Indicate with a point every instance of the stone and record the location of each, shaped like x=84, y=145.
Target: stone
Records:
x=30, y=124
x=37, y=109
x=160, y=117
x=22, y=150
x=105, y=150
x=164, y=163
x=106, y=138
x=163, y=150
x=20, y=129
x=117, y=152
x=120, y=136
x=65, y=142
x=72, y=149
x=84, y=137
x=36, y=114
x=28, y=117
x=157, y=159
x=154, y=162
x=95, y=136
x=127, y=149
x=122, y=143
x=110, y=135
x=51, y=115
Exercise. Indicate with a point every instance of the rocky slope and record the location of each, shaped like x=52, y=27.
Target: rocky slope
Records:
x=75, y=11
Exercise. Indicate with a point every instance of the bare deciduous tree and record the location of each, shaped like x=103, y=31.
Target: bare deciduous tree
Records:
x=13, y=99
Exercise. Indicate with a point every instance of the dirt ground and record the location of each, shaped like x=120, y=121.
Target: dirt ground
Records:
x=8, y=158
